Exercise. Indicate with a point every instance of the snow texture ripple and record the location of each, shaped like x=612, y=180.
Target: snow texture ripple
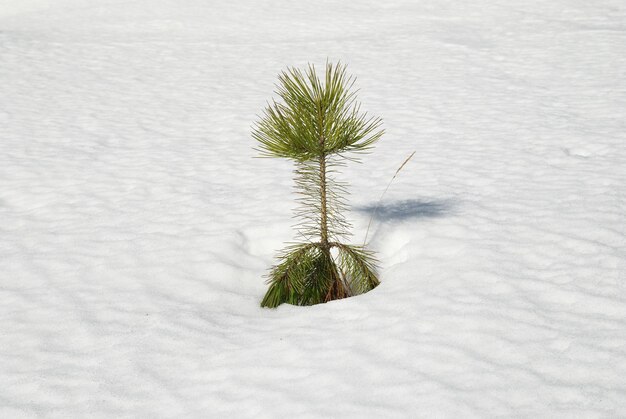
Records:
x=135, y=226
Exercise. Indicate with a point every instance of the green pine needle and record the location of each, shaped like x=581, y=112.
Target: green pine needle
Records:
x=315, y=122
x=311, y=110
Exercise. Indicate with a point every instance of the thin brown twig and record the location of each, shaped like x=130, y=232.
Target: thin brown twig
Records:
x=383, y=194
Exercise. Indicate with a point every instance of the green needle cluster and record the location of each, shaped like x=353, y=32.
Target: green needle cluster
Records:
x=315, y=123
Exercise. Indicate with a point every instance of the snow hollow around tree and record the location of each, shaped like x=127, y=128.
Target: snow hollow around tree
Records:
x=136, y=227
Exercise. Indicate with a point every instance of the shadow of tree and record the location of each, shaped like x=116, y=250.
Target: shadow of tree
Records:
x=409, y=208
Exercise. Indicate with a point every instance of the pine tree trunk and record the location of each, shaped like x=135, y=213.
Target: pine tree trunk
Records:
x=324, y=205
x=337, y=290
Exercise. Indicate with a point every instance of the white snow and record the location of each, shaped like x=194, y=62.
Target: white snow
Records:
x=135, y=226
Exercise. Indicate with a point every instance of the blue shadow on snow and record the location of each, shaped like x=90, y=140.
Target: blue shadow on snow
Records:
x=405, y=209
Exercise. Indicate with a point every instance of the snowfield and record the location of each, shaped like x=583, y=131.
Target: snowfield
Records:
x=136, y=226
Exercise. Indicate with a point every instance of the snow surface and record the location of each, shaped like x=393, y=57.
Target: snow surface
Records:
x=135, y=226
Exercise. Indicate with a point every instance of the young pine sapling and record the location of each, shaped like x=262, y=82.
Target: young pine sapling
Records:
x=316, y=124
